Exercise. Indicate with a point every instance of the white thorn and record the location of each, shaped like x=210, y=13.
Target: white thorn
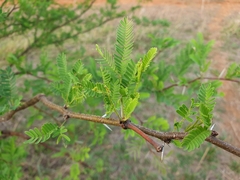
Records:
x=184, y=89
x=220, y=75
x=211, y=128
x=162, y=152
x=107, y=127
x=105, y=124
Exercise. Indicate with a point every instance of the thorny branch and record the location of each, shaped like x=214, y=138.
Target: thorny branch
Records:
x=166, y=137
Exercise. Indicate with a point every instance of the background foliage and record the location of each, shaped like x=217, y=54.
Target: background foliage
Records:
x=93, y=152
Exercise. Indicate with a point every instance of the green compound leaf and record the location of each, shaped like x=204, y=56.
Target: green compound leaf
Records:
x=184, y=112
x=207, y=103
x=233, y=71
x=106, y=76
x=78, y=67
x=129, y=106
x=62, y=65
x=108, y=61
x=7, y=83
x=120, y=76
x=124, y=45
x=129, y=74
x=147, y=59
x=47, y=130
x=206, y=94
x=205, y=115
x=37, y=136
x=142, y=65
x=195, y=138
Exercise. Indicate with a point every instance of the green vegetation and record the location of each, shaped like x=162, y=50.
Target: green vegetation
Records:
x=120, y=84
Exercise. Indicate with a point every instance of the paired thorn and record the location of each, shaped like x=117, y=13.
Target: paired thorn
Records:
x=105, y=124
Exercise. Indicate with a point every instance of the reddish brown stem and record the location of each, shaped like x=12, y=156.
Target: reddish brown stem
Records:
x=128, y=125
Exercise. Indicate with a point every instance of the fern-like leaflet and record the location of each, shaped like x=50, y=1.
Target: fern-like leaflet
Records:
x=148, y=58
x=47, y=130
x=233, y=71
x=108, y=61
x=7, y=83
x=128, y=77
x=129, y=106
x=185, y=112
x=207, y=103
x=201, y=51
x=9, y=98
x=124, y=45
x=195, y=138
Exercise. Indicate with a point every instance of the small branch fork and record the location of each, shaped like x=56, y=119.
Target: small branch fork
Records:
x=142, y=131
x=128, y=125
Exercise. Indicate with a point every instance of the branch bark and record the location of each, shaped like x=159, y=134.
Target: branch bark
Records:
x=128, y=125
x=166, y=137
x=202, y=78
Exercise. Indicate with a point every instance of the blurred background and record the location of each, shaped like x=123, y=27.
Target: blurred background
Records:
x=35, y=32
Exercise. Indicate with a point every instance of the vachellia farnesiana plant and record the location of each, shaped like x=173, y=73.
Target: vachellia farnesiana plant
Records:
x=120, y=91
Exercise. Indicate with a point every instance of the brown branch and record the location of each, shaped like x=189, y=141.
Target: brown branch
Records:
x=60, y=109
x=128, y=125
x=223, y=145
x=82, y=32
x=36, y=39
x=23, y=106
x=32, y=45
x=36, y=76
x=222, y=79
x=3, y=3
x=74, y=18
x=202, y=78
x=13, y=9
x=166, y=137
